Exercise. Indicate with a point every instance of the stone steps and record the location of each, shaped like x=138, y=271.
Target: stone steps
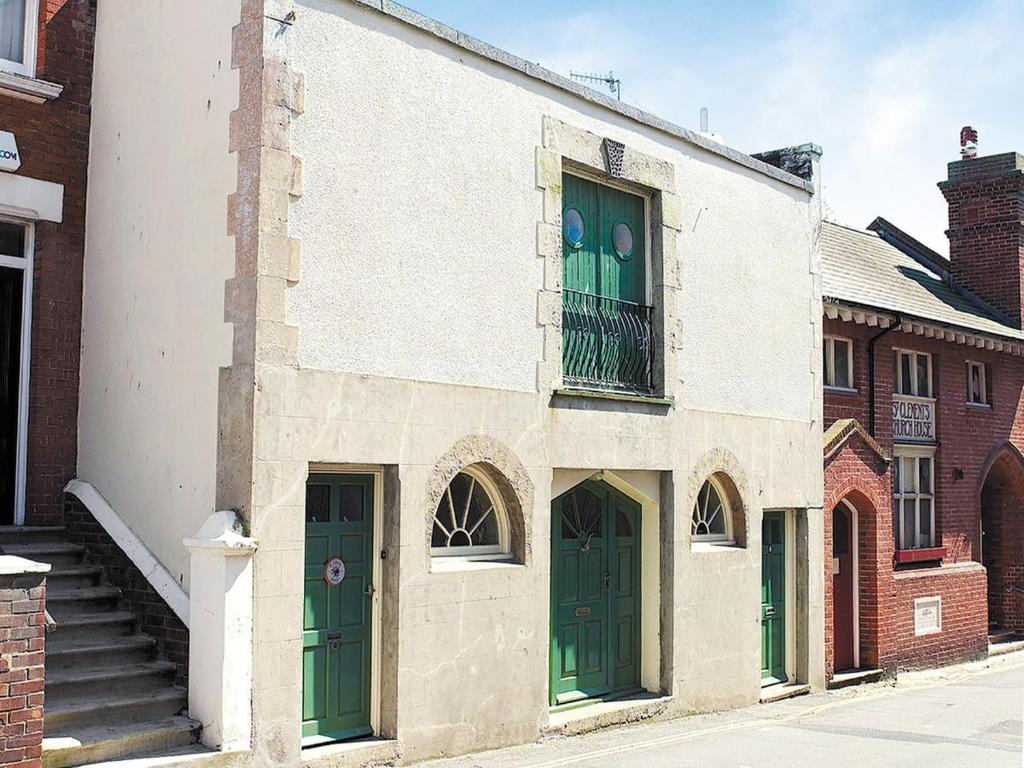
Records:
x=98, y=653
x=113, y=707
x=103, y=743
x=73, y=576
x=81, y=600
x=108, y=697
x=84, y=681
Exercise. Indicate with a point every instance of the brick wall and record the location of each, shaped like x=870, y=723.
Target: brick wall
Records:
x=22, y=655
x=986, y=239
x=53, y=139
x=155, y=618
x=857, y=474
x=970, y=441
x=964, y=634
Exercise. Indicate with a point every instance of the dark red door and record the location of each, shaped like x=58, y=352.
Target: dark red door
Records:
x=842, y=588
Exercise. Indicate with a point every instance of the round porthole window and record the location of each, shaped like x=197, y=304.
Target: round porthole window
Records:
x=573, y=228
x=622, y=240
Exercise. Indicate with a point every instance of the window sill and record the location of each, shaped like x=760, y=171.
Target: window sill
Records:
x=929, y=555
x=713, y=546
x=978, y=406
x=28, y=88
x=461, y=564
x=624, y=397
x=841, y=390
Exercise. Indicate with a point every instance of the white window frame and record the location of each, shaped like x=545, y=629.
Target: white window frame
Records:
x=898, y=382
x=28, y=67
x=714, y=538
x=829, y=374
x=500, y=551
x=901, y=452
x=25, y=264
x=971, y=366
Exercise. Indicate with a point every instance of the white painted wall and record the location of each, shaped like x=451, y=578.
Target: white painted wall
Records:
x=418, y=224
x=156, y=259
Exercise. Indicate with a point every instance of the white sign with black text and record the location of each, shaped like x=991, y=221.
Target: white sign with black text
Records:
x=10, y=159
x=913, y=419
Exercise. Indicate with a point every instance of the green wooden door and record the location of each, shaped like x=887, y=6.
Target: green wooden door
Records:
x=773, y=596
x=606, y=320
x=336, y=629
x=595, y=593
x=608, y=256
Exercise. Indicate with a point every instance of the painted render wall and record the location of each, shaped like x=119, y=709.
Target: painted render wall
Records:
x=157, y=256
x=419, y=213
x=416, y=314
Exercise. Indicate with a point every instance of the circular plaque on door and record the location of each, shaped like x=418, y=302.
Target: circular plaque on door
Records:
x=334, y=571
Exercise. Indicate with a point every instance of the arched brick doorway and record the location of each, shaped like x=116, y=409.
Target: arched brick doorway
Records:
x=1002, y=538
x=858, y=548
x=845, y=587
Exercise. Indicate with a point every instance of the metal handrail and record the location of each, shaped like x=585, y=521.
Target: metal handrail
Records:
x=607, y=343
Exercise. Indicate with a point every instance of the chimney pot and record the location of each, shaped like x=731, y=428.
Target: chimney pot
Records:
x=968, y=142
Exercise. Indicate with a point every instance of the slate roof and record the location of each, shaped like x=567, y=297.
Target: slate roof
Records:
x=860, y=267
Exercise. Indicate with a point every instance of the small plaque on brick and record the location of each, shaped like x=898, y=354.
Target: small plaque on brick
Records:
x=927, y=615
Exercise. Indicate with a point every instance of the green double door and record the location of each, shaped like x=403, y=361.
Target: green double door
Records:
x=605, y=255
x=606, y=320
x=595, y=593
x=773, y=596
x=336, y=634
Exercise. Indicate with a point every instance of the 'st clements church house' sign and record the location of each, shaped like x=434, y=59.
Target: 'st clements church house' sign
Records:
x=913, y=419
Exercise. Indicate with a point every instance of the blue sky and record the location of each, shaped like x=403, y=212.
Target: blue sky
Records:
x=883, y=87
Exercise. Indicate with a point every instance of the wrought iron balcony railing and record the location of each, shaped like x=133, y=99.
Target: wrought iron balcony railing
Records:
x=606, y=343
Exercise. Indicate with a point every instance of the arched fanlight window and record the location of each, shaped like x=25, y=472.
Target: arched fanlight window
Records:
x=470, y=519
x=712, y=518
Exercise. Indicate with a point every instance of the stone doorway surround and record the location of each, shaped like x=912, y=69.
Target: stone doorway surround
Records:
x=568, y=149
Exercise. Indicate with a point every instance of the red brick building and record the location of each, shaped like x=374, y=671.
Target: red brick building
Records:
x=924, y=473
x=46, y=49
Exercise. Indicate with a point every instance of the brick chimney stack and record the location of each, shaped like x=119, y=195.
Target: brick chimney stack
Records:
x=986, y=226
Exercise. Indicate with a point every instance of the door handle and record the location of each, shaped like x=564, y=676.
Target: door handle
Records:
x=370, y=590
x=606, y=580
x=334, y=640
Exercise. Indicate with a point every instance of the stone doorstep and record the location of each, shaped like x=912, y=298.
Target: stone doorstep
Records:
x=854, y=677
x=1007, y=646
x=782, y=691
x=591, y=717
x=352, y=754
x=196, y=756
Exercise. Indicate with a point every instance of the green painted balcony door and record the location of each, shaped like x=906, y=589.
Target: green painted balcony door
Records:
x=595, y=593
x=773, y=596
x=336, y=634
x=607, y=339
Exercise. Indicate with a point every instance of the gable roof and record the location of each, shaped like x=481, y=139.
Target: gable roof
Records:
x=837, y=435
x=865, y=269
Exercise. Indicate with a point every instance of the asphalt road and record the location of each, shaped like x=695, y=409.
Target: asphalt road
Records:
x=964, y=717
